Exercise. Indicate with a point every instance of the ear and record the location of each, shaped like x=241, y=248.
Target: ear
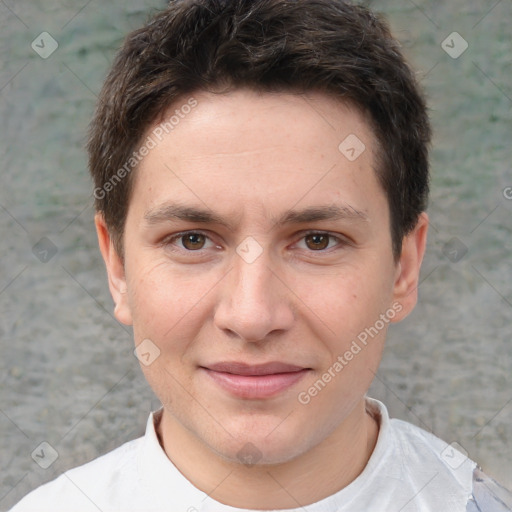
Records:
x=115, y=271
x=405, y=291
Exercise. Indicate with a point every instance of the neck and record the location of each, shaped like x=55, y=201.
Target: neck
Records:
x=312, y=476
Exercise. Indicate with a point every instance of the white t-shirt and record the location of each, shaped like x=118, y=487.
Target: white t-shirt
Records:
x=409, y=470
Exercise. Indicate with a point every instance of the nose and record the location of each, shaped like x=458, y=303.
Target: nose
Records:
x=255, y=302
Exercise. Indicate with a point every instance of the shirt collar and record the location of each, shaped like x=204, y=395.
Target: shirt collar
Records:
x=161, y=477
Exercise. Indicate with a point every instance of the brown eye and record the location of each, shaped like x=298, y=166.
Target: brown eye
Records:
x=317, y=241
x=193, y=241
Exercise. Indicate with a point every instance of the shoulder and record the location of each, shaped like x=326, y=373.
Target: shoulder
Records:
x=452, y=463
x=86, y=486
x=419, y=471
x=488, y=495
x=451, y=458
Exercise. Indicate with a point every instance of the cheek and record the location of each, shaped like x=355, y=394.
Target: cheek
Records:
x=168, y=308
x=166, y=302
x=345, y=303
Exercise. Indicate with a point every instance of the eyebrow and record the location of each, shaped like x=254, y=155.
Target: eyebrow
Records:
x=173, y=211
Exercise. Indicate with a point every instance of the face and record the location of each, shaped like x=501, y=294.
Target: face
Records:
x=258, y=274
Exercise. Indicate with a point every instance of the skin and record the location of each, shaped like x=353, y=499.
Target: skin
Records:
x=248, y=158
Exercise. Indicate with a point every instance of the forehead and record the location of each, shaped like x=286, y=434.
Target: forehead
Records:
x=246, y=149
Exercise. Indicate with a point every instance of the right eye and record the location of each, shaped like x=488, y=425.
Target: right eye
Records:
x=191, y=241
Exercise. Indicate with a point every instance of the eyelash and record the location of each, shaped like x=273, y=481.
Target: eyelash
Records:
x=168, y=241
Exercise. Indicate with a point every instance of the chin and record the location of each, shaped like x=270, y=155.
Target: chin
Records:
x=261, y=443
x=256, y=452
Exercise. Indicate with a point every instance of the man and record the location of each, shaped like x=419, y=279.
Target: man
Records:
x=261, y=180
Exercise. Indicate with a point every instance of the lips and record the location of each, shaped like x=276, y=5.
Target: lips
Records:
x=254, y=381
x=255, y=370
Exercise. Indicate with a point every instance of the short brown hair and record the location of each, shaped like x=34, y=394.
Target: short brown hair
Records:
x=268, y=45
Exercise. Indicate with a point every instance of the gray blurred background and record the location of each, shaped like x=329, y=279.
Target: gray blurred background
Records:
x=68, y=376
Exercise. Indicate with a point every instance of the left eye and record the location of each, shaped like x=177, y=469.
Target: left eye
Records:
x=192, y=241
x=318, y=241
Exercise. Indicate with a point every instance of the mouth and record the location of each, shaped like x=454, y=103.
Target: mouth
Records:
x=254, y=381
